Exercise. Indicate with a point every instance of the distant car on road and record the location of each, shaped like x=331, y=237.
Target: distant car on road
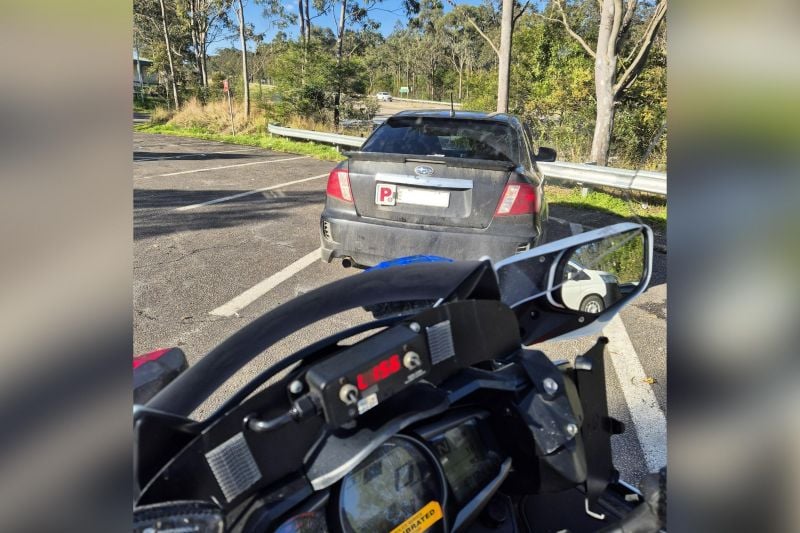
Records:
x=384, y=97
x=462, y=186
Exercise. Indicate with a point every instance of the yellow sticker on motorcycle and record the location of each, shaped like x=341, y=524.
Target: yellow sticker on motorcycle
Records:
x=421, y=520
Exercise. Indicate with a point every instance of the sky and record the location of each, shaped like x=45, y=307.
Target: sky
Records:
x=387, y=13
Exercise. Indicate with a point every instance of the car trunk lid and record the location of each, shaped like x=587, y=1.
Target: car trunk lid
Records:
x=427, y=190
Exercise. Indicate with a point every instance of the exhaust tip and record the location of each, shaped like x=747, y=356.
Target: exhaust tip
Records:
x=347, y=262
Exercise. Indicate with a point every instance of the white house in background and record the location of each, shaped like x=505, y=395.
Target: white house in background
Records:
x=148, y=77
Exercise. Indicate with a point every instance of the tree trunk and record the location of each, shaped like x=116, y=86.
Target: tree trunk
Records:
x=339, y=45
x=195, y=40
x=169, y=56
x=505, y=56
x=462, y=65
x=203, y=67
x=245, y=77
x=604, y=124
x=303, y=41
x=605, y=68
x=308, y=22
x=302, y=20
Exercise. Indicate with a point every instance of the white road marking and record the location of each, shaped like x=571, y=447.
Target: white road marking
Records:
x=648, y=418
x=193, y=154
x=223, y=167
x=575, y=228
x=260, y=289
x=241, y=194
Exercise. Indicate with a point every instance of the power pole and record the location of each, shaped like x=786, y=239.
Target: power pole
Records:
x=504, y=70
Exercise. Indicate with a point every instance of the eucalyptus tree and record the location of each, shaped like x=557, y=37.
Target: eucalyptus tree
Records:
x=622, y=37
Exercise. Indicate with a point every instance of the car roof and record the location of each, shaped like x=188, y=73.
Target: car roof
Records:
x=465, y=115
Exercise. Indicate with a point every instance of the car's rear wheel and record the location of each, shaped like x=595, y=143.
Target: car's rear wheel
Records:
x=593, y=304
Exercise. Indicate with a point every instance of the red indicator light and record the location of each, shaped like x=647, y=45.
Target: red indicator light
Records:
x=379, y=372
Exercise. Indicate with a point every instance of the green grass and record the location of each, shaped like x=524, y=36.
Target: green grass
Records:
x=651, y=210
x=278, y=144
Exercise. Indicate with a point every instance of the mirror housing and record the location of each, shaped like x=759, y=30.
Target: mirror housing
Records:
x=546, y=155
x=528, y=284
x=154, y=371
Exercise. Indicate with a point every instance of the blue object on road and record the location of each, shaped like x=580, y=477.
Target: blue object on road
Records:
x=410, y=260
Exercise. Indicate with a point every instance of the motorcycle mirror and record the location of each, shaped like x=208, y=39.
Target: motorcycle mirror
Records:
x=154, y=371
x=617, y=269
x=573, y=287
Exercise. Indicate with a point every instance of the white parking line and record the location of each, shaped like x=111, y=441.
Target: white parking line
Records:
x=222, y=167
x=193, y=154
x=648, y=418
x=260, y=289
x=255, y=191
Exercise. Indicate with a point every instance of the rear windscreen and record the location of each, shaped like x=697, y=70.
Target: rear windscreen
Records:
x=473, y=139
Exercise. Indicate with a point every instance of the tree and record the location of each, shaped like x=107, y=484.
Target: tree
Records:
x=243, y=43
x=204, y=17
x=169, y=55
x=461, y=43
x=615, y=70
x=511, y=12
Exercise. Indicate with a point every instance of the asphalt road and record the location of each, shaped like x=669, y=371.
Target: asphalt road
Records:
x=195, y=250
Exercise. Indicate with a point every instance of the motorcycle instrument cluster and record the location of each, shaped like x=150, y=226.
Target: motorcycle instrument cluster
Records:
x=392, y=485
x=468, y=463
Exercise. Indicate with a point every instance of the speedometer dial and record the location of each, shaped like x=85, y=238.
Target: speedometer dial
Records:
x=390, y=487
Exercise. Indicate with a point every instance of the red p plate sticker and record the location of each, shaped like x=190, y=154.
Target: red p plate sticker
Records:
x=386, y=194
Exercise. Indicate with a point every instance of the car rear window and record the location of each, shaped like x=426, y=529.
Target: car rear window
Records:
x=473, y=139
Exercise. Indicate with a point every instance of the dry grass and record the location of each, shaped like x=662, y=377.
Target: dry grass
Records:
x=161, y=115
x=215, y=117
x=313, y=124
x=308, y=123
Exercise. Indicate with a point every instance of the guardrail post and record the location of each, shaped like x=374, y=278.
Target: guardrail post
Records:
x=586, y=190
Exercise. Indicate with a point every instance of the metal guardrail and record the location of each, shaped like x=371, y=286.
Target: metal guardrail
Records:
x=308, y=135
x=455, y=104
x=620, y=178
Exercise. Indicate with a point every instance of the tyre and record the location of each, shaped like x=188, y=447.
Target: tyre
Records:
x=593, y=304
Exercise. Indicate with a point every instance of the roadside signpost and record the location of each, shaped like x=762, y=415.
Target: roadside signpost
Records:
x=226, y=90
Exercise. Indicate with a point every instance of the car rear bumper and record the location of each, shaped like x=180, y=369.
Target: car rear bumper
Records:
x=369, y=243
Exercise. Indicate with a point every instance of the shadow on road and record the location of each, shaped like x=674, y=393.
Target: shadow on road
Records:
x=156, y=156
x=154, y=211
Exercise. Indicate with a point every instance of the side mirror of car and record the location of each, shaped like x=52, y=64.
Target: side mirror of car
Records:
x=546, y=155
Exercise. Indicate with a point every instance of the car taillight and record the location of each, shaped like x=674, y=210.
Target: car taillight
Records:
x=517, y=199
x=339, y=185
